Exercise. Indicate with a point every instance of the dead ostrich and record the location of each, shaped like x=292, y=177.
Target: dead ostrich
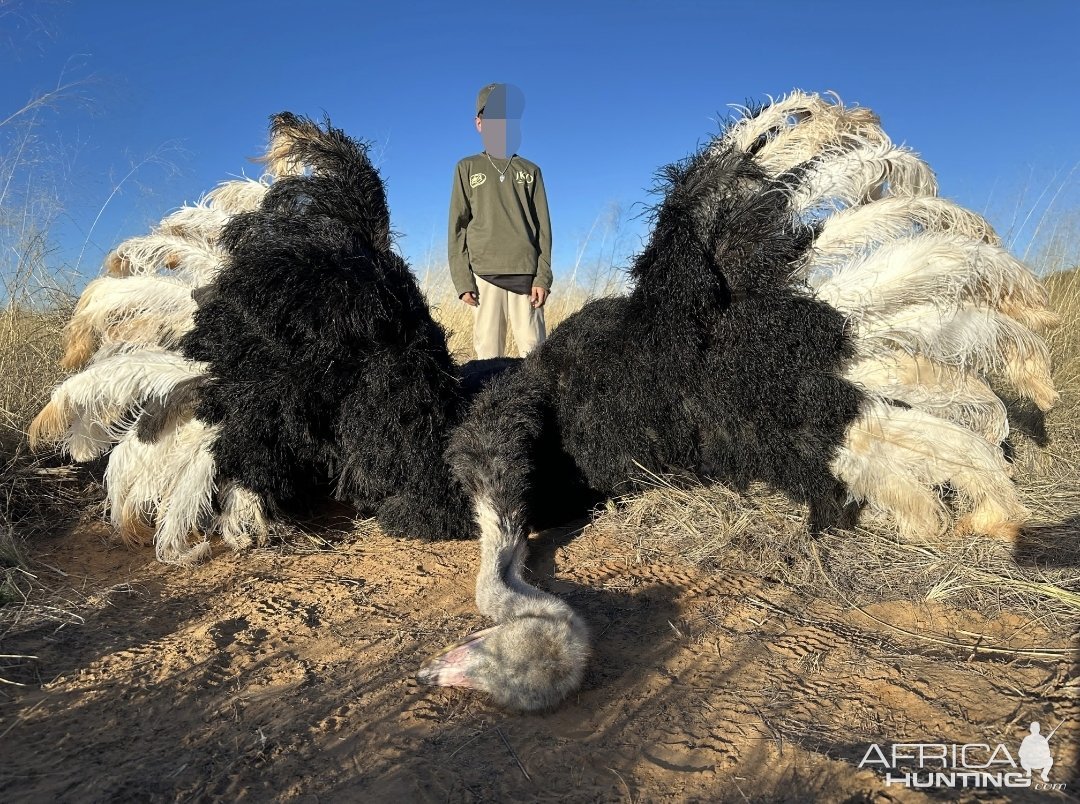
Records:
x=123, y=340
x=807, y=313
x=248, y=363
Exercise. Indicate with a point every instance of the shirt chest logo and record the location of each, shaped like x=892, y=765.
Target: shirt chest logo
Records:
x=522, y=177
x=476, y=179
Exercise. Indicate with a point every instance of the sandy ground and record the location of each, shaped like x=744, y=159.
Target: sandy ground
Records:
x=289, y=675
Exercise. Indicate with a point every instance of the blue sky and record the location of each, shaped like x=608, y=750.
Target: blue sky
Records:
x=987, y=92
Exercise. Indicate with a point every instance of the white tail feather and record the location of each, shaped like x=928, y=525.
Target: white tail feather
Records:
x=232, y=197
x=849, y=176
x=893, y=457
x=943, y=391
x=944, y=269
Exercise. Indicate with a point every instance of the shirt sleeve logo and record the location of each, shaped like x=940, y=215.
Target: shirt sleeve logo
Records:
x=476, y=179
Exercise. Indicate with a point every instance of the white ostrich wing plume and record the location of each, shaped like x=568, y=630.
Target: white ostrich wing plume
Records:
x=196, y=260
x=849, y=232
x=894, y=457
x=197, y=222
x=796, y=127
x=975, y=339
x=238, y=195
x=945, y=391
x=107, y=395
x=144, y=310
x=163, y=490
x=854, y=174
x=944, y=269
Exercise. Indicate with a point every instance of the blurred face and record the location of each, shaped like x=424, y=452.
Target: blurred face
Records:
x=500, y=125
x=502, y=137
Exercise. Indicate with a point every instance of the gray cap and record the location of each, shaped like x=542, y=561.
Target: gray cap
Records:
x=482, y=98
x=503, y=101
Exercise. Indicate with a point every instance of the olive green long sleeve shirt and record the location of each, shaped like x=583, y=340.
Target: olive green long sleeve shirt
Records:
x=498, y=227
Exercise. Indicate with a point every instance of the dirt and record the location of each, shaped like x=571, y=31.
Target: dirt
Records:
x=286, y=674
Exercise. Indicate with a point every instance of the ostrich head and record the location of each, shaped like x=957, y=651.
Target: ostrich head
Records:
x=528, y=663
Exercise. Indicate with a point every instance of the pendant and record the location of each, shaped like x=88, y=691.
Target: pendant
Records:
x=502, y=178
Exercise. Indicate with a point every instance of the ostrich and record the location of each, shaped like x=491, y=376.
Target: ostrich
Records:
x=261, y=350
x=325, y=364
x=806, y=313
x=123, y=340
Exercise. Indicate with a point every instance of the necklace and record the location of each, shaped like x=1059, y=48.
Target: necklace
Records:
x=502, y=173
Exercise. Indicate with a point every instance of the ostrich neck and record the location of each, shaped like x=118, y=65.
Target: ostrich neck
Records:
x=501, y=591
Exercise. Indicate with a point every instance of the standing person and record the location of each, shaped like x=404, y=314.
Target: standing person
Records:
x=500, y=231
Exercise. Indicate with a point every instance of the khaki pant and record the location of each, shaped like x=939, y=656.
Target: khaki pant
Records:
x=489, y=321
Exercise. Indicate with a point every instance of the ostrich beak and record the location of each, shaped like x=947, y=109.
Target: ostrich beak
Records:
x=450, y=667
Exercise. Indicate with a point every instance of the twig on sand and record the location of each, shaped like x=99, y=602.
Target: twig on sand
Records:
x=469, y=741
x=511, y=750
x=22, y=718
x=626, y=787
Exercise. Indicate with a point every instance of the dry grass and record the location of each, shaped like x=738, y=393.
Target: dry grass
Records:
x=37, y=494
x=33, y=309
x=30, y=350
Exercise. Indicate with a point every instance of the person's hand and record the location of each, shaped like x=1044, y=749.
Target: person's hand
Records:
x=470, y=298
x=538, y=297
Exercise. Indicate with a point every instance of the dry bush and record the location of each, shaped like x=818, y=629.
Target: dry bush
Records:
x=35, y=302
x=1064, y=287
x=37, y=493
x=30, y=350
